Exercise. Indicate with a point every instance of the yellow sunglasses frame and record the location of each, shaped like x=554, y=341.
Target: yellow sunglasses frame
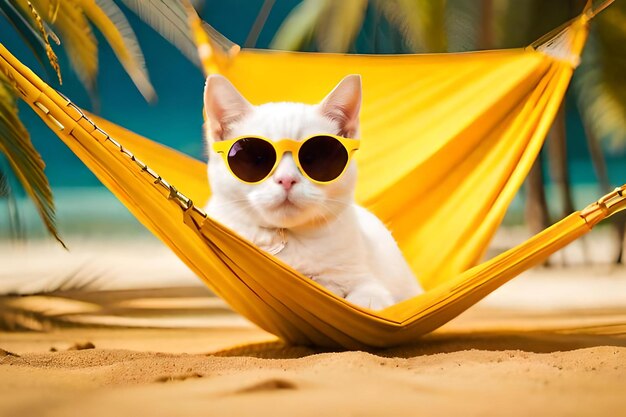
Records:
x=283, y=146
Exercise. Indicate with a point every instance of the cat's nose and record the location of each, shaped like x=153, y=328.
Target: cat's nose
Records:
x=286, y=181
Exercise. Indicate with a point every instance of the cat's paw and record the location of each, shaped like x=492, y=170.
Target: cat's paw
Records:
x=371, y=295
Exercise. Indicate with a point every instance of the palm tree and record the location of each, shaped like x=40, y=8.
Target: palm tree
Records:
x=46, y=24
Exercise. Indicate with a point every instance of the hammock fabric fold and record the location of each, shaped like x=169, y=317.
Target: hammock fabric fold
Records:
x=446, y=142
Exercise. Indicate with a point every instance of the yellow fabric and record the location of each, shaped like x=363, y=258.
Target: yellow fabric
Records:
x=447, y=141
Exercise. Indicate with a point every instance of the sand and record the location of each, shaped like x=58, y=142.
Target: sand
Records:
x=102, y=382
x=550, y=343
x=491, y=361
x=487, y=373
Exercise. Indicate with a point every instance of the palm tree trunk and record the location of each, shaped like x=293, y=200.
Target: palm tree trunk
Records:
x=536, y=210
x=618, y=221
x=557, y=156
x=485, y=37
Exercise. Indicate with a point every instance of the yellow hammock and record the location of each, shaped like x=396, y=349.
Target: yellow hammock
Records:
x=447, y=140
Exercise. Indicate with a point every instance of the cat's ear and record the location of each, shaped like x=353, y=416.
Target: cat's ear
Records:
x=343, y=105
x=223, y=105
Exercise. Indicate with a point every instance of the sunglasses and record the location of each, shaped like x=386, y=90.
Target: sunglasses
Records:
x=320, y=158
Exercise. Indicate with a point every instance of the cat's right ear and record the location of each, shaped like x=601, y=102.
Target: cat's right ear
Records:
x=343, y=104
x=223, y=105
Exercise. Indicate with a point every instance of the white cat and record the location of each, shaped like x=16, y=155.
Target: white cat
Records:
x=317, y=229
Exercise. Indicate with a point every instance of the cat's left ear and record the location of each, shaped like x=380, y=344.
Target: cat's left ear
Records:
x=343, y=105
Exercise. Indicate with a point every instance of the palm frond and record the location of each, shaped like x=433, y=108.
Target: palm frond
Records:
x=33, y=31
x=218, y=39
x=599, y=81
x=333, y=24
x=23, y=23
x=114, y=26
x=16, y=227
x=420, y=22
x=169, y=19
x=340, y=25
x=509, y=14
x=78, y=41
x=53, y=10
x=461, y=22
x=76, y=36
x=40, y=25
x=23, y=159
x=297, y=29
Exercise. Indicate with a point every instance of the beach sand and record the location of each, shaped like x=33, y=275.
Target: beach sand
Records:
x=513, y=354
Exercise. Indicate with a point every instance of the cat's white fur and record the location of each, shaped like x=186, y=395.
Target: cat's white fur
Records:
x=329, y=238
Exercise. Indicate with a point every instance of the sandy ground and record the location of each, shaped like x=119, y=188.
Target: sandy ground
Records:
x=455, y=371
x=552, y=342
x=563, y=358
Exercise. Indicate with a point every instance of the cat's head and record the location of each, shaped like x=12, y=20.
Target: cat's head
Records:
x=286, y=199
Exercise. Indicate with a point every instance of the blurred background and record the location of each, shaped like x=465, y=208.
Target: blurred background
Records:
x=582, y=159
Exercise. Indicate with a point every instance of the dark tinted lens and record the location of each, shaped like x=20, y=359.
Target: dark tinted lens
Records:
x=251, y=159
x=323, y=158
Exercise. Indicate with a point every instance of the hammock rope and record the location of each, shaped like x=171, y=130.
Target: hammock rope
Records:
x=164, y=189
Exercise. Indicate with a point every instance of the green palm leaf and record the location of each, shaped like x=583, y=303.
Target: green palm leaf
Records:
x=334, y=25
x=75, y=34
x=297, y=29
x=169, y=19
x=114, y=26
x=462, y=23
x=24, y=160
x=34, y=33
x=599, y=81
x=420, y=22
x=79, y=42
x=340, y=25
